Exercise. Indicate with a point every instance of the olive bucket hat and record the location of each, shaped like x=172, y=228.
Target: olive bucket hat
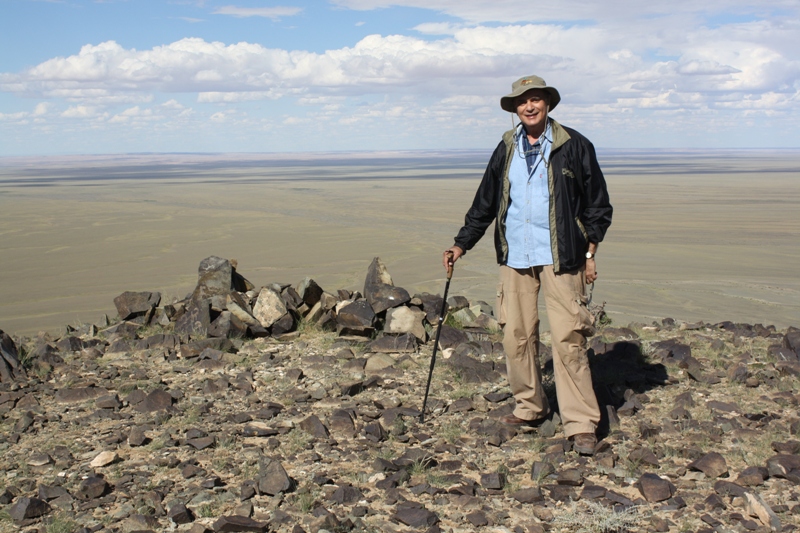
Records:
x=525, y=84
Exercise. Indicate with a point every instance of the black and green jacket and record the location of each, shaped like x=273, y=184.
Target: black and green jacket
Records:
x=580, y=211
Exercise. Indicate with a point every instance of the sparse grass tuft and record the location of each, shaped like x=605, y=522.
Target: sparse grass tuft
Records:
x=227, y=442
x=420, y=466
x=387, y=453
x=435, y=479
x=207, y=510
x=451, y=432
x=60, y=524
x=296, y=441
x=597, y=518
x=305, y=498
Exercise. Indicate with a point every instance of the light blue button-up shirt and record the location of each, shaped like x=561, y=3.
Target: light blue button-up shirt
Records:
x=528, y=218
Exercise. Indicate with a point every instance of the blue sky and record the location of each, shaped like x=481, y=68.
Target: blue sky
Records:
x=87, y=77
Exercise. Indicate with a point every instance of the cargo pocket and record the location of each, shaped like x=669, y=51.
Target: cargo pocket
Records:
x=500, y=305
x=585, y=317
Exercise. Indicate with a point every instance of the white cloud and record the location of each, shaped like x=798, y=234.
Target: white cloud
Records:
x=621, y=61
x=79, y=111
x=274, y=13
x=242, y=96
x=41, y=108
x=13, y=116
x=173, y=104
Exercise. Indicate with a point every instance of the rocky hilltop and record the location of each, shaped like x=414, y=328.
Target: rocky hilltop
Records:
x=290, y=408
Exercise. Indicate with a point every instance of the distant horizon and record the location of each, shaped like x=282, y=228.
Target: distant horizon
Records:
x=388, y=153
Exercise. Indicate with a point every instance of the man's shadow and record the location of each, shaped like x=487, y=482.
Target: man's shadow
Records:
x=619, y=369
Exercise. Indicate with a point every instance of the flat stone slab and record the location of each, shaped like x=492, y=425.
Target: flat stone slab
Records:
x=81, y=394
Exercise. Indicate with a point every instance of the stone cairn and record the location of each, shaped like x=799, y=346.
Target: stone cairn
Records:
x=225, y=305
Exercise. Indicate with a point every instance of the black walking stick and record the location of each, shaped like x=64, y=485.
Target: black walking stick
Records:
x=436, y=342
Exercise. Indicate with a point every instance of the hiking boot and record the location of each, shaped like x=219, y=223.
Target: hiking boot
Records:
x=584, y=443
x=513, y=420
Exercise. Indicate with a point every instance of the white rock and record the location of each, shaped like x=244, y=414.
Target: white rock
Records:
x=756, y=506
x=406, y=320
x=269, y=307
x=104, y=459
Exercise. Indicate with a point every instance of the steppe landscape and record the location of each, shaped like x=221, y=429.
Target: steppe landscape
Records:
x=696, y=235
x=246, y=396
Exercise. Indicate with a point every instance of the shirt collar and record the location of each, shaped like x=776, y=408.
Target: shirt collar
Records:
x=545, y=138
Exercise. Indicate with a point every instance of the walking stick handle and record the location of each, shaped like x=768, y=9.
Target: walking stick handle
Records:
x=450, y=264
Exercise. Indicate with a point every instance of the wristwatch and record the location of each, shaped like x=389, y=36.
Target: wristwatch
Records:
x=589, y=255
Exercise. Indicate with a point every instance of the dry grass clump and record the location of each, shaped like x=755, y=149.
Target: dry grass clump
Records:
x=593, y=517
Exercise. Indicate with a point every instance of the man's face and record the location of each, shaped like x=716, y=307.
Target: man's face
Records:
x=532, y=108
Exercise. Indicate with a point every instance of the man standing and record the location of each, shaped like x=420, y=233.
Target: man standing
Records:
x=545, y=192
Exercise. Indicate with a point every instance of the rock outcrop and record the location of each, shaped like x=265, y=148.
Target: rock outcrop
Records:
x=216, y=413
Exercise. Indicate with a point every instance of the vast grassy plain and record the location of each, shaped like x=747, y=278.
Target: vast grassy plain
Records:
x=696, y=235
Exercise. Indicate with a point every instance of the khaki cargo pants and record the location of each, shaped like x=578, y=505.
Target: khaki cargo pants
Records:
x=570, y=324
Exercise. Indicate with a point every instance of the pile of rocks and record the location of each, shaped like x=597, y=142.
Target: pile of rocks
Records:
x=224, y=304
x=217, y=414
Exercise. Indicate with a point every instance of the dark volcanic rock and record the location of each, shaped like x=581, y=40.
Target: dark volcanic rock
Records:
x=180, y=514
x=309, y=292
x=451, y=337
x=712, y=465
x=9, y=358
x=785, y=466
x=654, y=488
x=69, y=344
x=157, y=400
x=379, y=290
x=274, y=479
x=729, y=488
x=92, y=487
x=195, y=321
x=393, y=344
x=529, y=495
x=414, y=515
x=214, y=278
x=472, y=370
x=494, y=480
x=356, y=314
x=341, y=421
x=25, y=508
x=672, y=350
x=137, y=305
x=79, y=395
x=228, y=325
x=478, y=519
x=314, y=427
x=432, y=305
x=792, y=339
x=235, y=523
x=752, y=476
x=346, y=495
